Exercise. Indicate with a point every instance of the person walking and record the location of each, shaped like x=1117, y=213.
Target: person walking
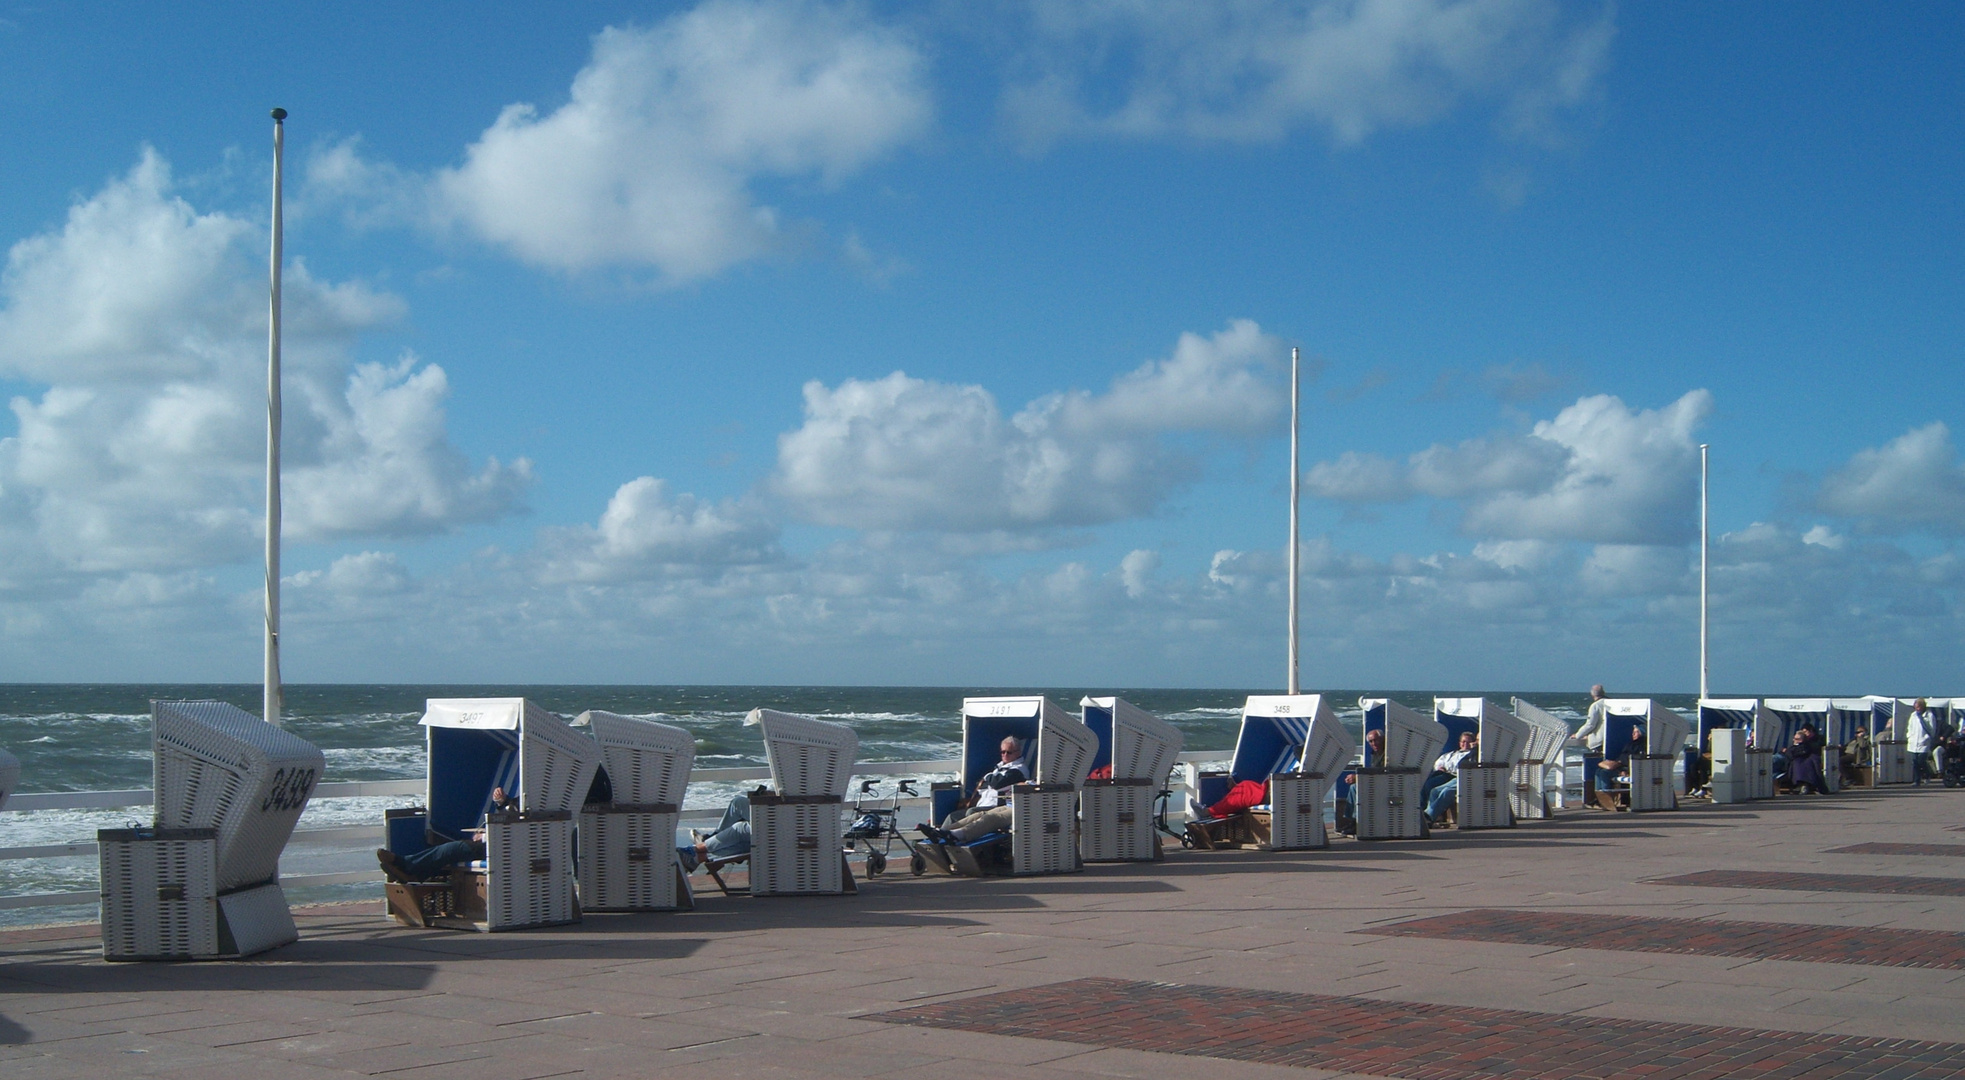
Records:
x=1591, y=735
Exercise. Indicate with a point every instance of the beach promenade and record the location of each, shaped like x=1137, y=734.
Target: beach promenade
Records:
x=1714, y=941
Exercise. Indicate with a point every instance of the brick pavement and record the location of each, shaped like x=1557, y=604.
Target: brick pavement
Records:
x=1424, y=1042
x=1850, y=883
x=1693, y=937
x=1953, y=850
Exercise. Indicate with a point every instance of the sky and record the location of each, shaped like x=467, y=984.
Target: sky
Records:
x=803, y=342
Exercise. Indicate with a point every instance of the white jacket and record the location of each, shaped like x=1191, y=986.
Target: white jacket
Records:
x=1591, y=733
x=1921, y=731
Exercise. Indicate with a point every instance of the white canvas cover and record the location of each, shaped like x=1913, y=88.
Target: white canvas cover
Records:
x=1791, y=713
x=807, y=756
x=1546, y=732
x=647, y=763
x=9, y=776
x=1412, y=739
x=217, y=766
x=1321, y=743
x=1503, y=735
x=1143, y=745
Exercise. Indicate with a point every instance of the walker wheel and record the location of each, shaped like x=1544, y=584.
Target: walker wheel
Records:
x=917, y=865
x=876, y=864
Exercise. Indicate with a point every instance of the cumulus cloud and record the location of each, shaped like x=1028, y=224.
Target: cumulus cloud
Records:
x=1914, y=481
x=651, y=161
x=645, y=529
x=906, y=453
x=1255, y=70
x=145, y=321
x=1597, y=472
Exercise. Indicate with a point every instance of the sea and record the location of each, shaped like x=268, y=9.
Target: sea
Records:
x=74, y=737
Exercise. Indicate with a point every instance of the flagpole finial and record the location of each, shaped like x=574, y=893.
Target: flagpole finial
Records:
x=279, y=114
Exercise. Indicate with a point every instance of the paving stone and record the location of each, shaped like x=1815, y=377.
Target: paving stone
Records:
x=1793, y=882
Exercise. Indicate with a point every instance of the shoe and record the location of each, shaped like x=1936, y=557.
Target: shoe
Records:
x=392, y=867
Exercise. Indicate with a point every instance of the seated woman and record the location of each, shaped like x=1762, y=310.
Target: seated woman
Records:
x=730, y=839
x=436, y=860
x=1805, y=762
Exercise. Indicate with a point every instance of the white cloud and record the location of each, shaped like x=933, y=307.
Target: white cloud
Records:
x=1914, y=481
x=905, y=453
x=146, y=323
x=1597, y=472
x=651, y=161
x=645, y=530
x=1254, y=70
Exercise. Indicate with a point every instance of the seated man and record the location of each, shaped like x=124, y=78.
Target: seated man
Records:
x=1347, y=807
x=1857, y=753
x=1804, y=764
x=436, y=860
x=1442, y=788
x=990, y=808
x=1613, y=773
x=730, y=840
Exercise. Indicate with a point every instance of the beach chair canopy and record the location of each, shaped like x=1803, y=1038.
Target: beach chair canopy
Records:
x=1791, y=714
x=1057, y=749
x=1546, y=732
x=646, y=762
x=1847, y=716
x=1717, y=713
x=807, y=756
x=1412, y=739
x=217, y=766
x=1503, y=735
x=9, y=776
x=1290, y=733
x=1137, y=744
x=478, y=744
x=1664, y=730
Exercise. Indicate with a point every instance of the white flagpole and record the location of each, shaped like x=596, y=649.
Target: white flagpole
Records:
x=1704, y=531
x=272, y=700
x=1294, y=554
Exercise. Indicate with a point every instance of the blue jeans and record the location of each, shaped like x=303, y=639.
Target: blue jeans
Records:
x=433, y=861
x=1443, y=796
x=731, y=838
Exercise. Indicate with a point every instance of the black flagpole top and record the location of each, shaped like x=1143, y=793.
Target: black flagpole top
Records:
x=279, y=114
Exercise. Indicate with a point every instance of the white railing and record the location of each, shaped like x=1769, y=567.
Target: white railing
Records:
x=133, y=797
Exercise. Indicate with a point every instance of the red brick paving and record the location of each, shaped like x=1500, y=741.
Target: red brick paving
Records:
x=1416, y=1041
x=1853, y=883
x=1954, y=850
x=1694, y=937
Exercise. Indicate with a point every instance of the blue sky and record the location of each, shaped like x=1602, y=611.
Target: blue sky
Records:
x=597, y=317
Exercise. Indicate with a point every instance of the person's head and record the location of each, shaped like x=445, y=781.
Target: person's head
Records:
x=1920, y=705
x=1637, y=732
x=1467, y=740
x=1012, y=748
x=1596, y=692
x=1375, y=738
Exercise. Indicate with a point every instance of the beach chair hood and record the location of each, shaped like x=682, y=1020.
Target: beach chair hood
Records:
x=647, y=763
x=1290, y=733
x=1412, y=739
x=217, y=766
x=807, y=756
x=1546, y=732
x=1503, y=736
x=1137, y=744
x=1064, y=747
x=1787, y=716
x=1733, y=713
x=477, y=744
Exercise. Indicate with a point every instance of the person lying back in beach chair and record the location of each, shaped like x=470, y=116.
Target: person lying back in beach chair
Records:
x=989, y=811
x=436, y=860
x=729, y=843
x=1441, y=791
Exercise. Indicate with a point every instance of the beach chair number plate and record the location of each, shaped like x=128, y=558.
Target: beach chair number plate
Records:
x=542, y=866
x=637, y=854
x=808, y=843
x=1053, y=826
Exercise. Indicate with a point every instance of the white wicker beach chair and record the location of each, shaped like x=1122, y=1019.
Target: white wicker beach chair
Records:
x=1485, y=783
x=204, y=882
x=1546, y=735
x=796, y=830
x=627, y=854
x=1117, y=812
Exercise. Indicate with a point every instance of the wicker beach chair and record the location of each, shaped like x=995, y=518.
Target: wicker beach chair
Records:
x=626, y=845
x=1043, y=836
x=1543, y=754
x=1388, y=788
x=203, y=881
x=1484, y=787
x=1138, y=749
x=796, y=829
